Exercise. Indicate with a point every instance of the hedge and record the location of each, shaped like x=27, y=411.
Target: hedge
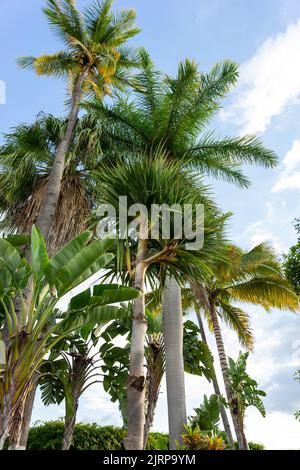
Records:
x=49, y=435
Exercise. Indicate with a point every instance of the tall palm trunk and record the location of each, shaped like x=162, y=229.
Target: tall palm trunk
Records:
x=173, y=340
x=224, y=416
x=45, y=218
x=224, y=367
x=136, y=380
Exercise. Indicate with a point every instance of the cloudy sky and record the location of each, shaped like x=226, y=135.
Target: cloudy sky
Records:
x=263, y=36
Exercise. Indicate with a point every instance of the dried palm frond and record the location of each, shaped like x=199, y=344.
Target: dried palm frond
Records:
x=70, y=218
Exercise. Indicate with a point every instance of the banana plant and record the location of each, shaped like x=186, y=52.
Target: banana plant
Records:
x=207, y=416
x=25, y=340
x=245, y=390
x=70, y=370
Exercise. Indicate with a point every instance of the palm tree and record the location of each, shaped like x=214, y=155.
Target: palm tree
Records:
x=93, y=62
x=190, y=302
x=154, y=179
x=26, y=159
x=173, y=113
x=252, y=277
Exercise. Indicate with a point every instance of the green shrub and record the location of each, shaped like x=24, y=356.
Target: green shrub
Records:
x=49, y=435
x=256, y=446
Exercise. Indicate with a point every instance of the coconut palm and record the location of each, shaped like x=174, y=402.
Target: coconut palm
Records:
x=174, y=113
x=93, y=62
x=191, y=303
x=253, y=277
x=154, y=179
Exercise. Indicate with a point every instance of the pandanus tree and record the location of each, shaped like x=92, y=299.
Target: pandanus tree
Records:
x=253, y=277
x=174, y=113
x=69, y=371
x=93, y=61
x=147, y=181
x=25, y=342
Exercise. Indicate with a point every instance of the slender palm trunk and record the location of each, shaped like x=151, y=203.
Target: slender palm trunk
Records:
x=224, y=368
x=217, y=390
x=136, y=380
x=173, y=340
x=45, y=218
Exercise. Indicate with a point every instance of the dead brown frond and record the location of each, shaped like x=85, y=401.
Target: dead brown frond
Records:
x=71, y=216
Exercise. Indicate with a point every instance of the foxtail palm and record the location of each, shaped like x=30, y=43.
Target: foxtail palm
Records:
x=93, y=62
x=252, y=277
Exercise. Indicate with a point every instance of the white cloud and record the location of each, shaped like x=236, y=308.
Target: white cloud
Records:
x=289, y=177
x=278, y=431
x=269, y=82
x=259, y=232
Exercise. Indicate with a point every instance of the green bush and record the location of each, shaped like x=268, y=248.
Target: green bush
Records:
x=256, y=446
x=49, y=435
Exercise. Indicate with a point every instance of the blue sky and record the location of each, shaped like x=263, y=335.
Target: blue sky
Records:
x=263, y=36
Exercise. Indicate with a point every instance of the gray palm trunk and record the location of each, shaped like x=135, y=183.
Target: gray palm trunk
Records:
x=217, y=388
x=242, y=443
x=137, y=380
x=173, y=340
x=45, y=218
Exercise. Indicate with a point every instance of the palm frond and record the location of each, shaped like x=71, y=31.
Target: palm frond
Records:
x=55, y=65
x=239, y=321
x=65, y=20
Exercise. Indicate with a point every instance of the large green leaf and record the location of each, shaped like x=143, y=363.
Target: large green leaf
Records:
x=102, y=295
x=89, y=260
x=9, y=255
x=65, y=254
x=39, y=255
x=92, y=315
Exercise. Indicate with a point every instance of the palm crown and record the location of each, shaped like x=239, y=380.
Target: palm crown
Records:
x=253, y=277
x=174, y=112
x=93, y=42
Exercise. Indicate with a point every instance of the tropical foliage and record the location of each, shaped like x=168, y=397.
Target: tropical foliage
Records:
x=63, y=183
